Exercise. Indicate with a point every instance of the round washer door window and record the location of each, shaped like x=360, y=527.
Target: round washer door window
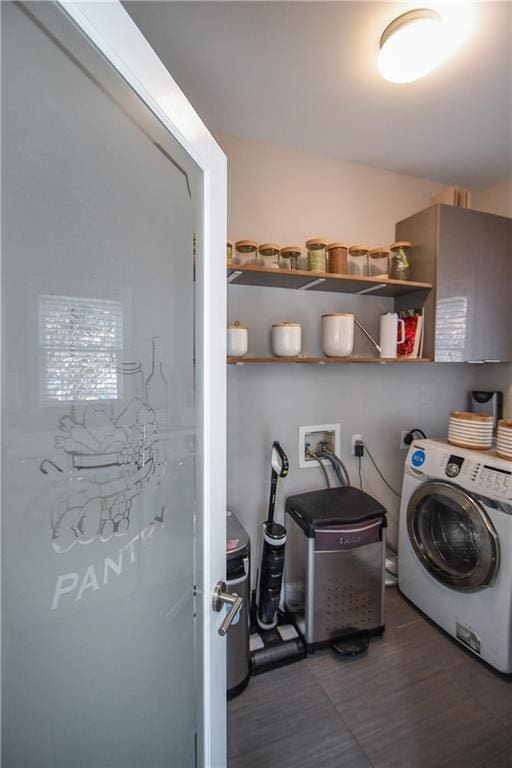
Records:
x=452, y=536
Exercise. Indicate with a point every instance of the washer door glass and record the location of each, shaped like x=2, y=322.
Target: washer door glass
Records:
x=452, y=536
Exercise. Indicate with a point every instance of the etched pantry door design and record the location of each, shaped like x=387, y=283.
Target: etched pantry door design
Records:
x=103, y=414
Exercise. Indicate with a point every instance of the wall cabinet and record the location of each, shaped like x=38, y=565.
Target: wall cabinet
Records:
x=467, y=256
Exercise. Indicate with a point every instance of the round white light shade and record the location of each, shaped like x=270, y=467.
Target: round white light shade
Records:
x=412, y=46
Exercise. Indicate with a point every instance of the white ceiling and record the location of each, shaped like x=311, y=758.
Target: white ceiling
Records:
x=304, y=74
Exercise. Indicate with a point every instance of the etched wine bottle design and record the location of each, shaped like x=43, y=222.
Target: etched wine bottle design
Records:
x=156, y=387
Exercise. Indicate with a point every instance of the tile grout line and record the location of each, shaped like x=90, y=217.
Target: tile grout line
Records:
x=347, y=726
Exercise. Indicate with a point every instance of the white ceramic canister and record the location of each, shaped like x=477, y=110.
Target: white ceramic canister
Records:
x=338, y=334
x=237, y=341
x=388, y=338
x=287, y=339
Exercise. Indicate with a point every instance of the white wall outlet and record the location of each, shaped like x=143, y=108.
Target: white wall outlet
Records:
x=329, y=433
x=403, y=446
x=353, y=442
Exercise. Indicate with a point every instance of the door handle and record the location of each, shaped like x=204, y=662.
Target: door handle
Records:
x=221, y=598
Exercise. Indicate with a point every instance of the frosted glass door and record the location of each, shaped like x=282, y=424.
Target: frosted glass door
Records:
x=102, y=417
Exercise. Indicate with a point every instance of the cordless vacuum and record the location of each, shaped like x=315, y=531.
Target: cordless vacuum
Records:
x=275, y=642
x=272, y=557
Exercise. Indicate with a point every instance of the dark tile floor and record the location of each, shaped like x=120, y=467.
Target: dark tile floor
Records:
x=415, y=700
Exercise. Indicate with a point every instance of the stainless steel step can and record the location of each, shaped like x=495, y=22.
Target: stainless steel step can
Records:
x=238, y=582
x=335, y=565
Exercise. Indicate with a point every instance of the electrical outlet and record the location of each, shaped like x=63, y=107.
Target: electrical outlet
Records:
x=353, y=442
x=403, y=445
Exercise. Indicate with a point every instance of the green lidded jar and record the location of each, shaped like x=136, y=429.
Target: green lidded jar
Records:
x=317, y=254
x=400, y=260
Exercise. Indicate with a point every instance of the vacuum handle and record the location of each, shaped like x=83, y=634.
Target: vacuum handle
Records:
x=221, y=598
x=280, y=463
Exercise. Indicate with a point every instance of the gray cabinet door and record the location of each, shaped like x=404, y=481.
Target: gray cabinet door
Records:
x=474, y=272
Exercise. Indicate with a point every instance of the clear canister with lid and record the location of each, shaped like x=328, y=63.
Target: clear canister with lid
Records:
x=400, y=260
x=269, y=255
x=246, y=252
x=317, y=254
x=229, y=251
x=378, y=262
x=337, y=262
x=289, y=257
x=358, y=259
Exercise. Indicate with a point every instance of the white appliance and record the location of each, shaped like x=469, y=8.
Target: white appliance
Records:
x=455, y=545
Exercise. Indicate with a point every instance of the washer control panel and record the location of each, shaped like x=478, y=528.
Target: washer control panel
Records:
x=496, y=480
x=481, y=472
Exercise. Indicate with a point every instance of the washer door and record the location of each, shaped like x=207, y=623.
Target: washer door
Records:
x=452, y=536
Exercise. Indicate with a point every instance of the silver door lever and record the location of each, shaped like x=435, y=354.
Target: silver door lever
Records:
x=221, y=598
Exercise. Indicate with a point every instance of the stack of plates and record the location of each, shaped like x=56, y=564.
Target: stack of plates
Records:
x=504, y=439
x=471, y=430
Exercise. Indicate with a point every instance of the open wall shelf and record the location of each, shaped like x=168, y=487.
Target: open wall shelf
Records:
x=324, y=360
x=301, y=280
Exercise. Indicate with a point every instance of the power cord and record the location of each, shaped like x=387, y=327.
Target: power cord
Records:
x=409, y=437
x=399, y=495
x=360, y=476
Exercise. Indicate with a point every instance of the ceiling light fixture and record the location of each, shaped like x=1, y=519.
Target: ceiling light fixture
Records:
x=412, y=46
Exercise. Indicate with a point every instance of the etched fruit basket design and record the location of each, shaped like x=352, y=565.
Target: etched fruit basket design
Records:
x=120, y=456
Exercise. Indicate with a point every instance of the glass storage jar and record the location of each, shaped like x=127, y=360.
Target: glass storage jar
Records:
x=246, y=251
x=358, y=259
x=317, y=261
x=289, y=257
x=378, y=262
x=229, y=252
x=269, y=255
x=400, y=260
x=337, y=258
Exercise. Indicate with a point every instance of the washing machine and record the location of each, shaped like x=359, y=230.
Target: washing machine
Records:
x=455, y=545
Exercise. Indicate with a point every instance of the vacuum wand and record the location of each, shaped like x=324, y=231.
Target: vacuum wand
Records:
x=280, y=468
x=272, y=558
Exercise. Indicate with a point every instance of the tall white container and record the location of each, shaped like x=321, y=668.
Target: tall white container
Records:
x=338, y=334
x=389, y=334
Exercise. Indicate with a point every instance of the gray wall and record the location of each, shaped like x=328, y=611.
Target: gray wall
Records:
x=269, y=402
x=279, y=194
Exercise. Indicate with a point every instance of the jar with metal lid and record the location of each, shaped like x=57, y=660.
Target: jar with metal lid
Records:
x=400, y=260
x=229, y=252
x=358, y=259
x=269, y=255
x=246, y=252
x=317, y=257
x=378, y=262
x=337, y=262
x=289, y=257
x=237, y=340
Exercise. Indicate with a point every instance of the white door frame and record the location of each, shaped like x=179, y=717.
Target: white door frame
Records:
x=114, y=33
